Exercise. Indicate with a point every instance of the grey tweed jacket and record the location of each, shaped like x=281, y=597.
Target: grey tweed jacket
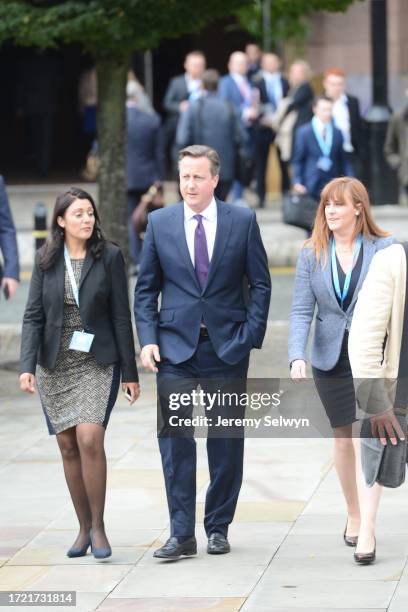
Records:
x=314, y=286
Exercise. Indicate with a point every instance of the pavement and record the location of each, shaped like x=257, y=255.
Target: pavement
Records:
x=287, y=552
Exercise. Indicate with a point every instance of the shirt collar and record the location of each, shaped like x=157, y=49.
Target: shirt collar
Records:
x=271, y=76
x=209, y=213
x=320, y=125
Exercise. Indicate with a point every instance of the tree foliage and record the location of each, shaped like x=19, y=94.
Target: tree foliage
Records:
x=288, y=17
x=106, y=27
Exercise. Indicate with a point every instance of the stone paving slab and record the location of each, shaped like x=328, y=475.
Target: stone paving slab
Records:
x=172, y=604
x=277, y=594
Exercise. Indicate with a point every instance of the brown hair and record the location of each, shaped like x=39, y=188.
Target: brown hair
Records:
x=337, y=189
x=210, y=79
x=202, y=151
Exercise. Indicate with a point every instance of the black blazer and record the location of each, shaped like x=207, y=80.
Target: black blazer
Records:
x=104, y=308
x=263, y=93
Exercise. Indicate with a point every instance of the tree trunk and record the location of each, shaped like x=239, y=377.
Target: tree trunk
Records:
x=111, y=121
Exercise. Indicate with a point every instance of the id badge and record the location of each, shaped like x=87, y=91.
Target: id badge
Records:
x=81, y=341
x=324, y=163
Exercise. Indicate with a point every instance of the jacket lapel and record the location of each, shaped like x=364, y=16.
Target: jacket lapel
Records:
x=59, y=272
x=88, y=263
x=179, y=236
x=224, y=224
x=327, y=275
x=368, y=254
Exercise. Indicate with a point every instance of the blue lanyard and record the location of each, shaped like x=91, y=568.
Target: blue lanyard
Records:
x=342, y=295
x=325, y=145
x=70, y=271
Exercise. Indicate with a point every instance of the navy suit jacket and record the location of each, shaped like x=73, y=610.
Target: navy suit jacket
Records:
x=145, y=149
x=306, y=154
x=236, y=323
x=213, y=122
x=8, y=241
x=229, y=90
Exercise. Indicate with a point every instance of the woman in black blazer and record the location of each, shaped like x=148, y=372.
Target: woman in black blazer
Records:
x=77, y=339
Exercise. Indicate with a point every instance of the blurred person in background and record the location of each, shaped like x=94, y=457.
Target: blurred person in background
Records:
x=9, y=273
x=254, y=55
x=346, y=116
x=145, y=156
x=213, y=121
x=318, y=154
x=273, y=87
x=237, y=89
x=396, y=146
x=181, y=90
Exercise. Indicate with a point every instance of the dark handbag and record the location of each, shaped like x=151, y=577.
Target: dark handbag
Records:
x=387, y=464
x=300, y=210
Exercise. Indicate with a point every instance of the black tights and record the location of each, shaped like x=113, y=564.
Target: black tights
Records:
x=84, y=460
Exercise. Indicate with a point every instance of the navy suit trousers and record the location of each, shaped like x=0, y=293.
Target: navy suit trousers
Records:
x=225, y=454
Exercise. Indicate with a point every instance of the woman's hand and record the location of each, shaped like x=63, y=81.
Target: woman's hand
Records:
x=133, y=388
x=298, y=370
x=27, y=382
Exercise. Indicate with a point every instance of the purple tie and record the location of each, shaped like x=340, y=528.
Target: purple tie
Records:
x=201, y=260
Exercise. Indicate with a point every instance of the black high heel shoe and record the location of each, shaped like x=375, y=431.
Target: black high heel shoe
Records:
x=349, y=540
x=365, y=558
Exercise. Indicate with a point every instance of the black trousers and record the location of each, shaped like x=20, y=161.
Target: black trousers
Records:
x=178, y=452
x=264, y=139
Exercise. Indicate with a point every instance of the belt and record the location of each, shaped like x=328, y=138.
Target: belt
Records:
x=204, y=332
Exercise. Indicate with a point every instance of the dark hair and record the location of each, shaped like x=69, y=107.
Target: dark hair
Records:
x=51, y=250
x=202, y=151
x=210, y=79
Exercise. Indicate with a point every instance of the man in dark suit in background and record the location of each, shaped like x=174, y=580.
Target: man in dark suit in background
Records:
x=9, y=275
x=199, y=254
x=318, y=154
x=145, y=157
x=346, y=116
x=213, y=122
x=237, y=89
x=181, y=90
x=272, y=88
x=254, y=56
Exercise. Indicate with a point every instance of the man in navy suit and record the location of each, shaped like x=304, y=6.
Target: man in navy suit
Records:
x=207, y=260
x=237, y=89
x=9, y=276
x=213, y=122
x=145, y=157
x=318, y=154
x=272, y=88
x=182, y=90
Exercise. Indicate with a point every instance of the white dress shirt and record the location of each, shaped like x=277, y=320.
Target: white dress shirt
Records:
x=273, y=81
x=209, y=216
x=341, y=117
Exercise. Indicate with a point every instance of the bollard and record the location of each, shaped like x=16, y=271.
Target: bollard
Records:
x=40, y=232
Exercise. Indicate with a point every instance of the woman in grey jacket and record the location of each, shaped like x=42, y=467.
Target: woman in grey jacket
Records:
x=330, y=271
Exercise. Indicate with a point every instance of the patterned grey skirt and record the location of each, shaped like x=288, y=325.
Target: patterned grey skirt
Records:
x=78, y=389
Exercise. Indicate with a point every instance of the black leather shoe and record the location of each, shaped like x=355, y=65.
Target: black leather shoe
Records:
x=349, y=540
x=218, y=544
x=173, y=549
x=365, y=558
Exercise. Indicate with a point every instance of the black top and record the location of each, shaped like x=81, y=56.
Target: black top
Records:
x=355, y=275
